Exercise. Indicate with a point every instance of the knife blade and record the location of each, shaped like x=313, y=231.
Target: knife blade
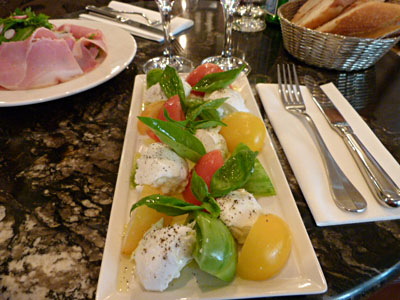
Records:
x=382, y=186
x=105, y=14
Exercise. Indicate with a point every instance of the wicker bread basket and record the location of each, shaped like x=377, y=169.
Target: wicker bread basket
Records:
x=326, y=50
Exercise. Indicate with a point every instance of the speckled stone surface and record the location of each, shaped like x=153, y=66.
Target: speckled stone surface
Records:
x=59, y=163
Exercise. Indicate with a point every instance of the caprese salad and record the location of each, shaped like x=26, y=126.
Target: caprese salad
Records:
x=199, y=178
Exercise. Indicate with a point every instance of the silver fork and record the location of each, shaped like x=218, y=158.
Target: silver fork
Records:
x=344, y=194
x=177, y=46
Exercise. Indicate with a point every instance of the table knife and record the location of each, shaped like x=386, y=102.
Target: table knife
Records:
x=382, y=186
x=105, y=14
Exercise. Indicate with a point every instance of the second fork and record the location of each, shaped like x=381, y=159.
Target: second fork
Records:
x=344, y=194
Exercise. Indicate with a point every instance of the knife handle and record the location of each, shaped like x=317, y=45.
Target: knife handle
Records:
x=383, y=187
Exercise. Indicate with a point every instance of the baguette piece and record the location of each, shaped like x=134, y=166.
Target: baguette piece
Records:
x=314, y=13
x=368, y=19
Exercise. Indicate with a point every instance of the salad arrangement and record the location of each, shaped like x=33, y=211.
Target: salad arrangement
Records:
x=21, y=24
x=36, y=54
x=200, y=179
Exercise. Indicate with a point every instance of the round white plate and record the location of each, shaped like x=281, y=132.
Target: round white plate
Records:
x=121, y=49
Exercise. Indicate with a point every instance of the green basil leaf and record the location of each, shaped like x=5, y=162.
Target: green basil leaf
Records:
x=211, y=206
x=199, y=187
x=192, y=114
x=208, y=124
x=234, y=173
x=242, y=147
x=172, y=85
x=215, y=81
x=190, y=103
x=215, y=251
x=259, y=183
x=181, y=141
x=168, y=205
x=200, y=191
x=210, y=114
x=153, y=77
x=182, y=124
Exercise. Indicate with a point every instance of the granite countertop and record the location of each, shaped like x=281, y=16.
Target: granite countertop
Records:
x=59, y=163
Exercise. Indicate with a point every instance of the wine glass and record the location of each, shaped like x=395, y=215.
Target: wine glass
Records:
x=250, y=16
x=181, y=64
x=226, y=61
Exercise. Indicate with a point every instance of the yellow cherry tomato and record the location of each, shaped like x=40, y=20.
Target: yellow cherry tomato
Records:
x=266, y=249
x=150, y=111
x=141, y=220
x=243, y=127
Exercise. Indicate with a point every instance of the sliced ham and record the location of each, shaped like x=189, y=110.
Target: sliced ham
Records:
x=42, y=33
x=48, y=57
x=49, y=62
x=81, y=31
x=85, y=54
x=13, y=63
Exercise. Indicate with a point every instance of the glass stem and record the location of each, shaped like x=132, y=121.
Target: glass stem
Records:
x=228, y=15
x=166, y=21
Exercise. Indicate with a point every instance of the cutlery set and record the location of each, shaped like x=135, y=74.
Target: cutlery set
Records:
x=115, y=15
x=344, y=194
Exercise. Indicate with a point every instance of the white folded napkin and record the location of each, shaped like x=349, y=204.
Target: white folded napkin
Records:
x=306, y=162
x=178, y=24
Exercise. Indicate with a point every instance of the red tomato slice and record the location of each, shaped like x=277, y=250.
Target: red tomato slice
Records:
x=175, y=111
x=152, y=135
x=197, y=74
x=205, y=168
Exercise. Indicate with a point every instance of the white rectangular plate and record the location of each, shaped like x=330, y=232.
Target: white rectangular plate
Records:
x=301, y=275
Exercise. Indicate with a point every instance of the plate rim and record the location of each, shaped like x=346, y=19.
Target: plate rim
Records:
x=112, y=65
x=107, y=289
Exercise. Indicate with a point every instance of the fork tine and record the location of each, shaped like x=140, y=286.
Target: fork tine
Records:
x=290, y=85
x=177, y=46
x=280, y=89
x=284, y=89
x=298, y=92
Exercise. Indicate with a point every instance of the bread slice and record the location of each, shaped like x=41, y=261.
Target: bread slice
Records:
x=367, y=19
x=314, y=13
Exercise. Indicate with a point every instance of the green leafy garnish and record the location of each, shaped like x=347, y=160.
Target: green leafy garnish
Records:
x=24, y=23
x=215, y=251
x=200, y=191
x=194, y=112
x=171, y=84
x=234, y=173
x=215, y=81
x=153, y=77
x=168, y=205
x=180, y=140
x=259, y=183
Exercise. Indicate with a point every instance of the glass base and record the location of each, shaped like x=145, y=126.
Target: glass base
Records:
x=246, y=24
x=181, y=64
x=228, y=63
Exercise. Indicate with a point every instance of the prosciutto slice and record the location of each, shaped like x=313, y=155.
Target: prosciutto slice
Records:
x=50, y=57
x=88, y=45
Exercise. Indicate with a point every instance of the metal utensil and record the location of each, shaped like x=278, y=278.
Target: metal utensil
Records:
x=123, y=20
x=115, y=11
x=178, y=49
x=344, y=194
x=382, y=186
